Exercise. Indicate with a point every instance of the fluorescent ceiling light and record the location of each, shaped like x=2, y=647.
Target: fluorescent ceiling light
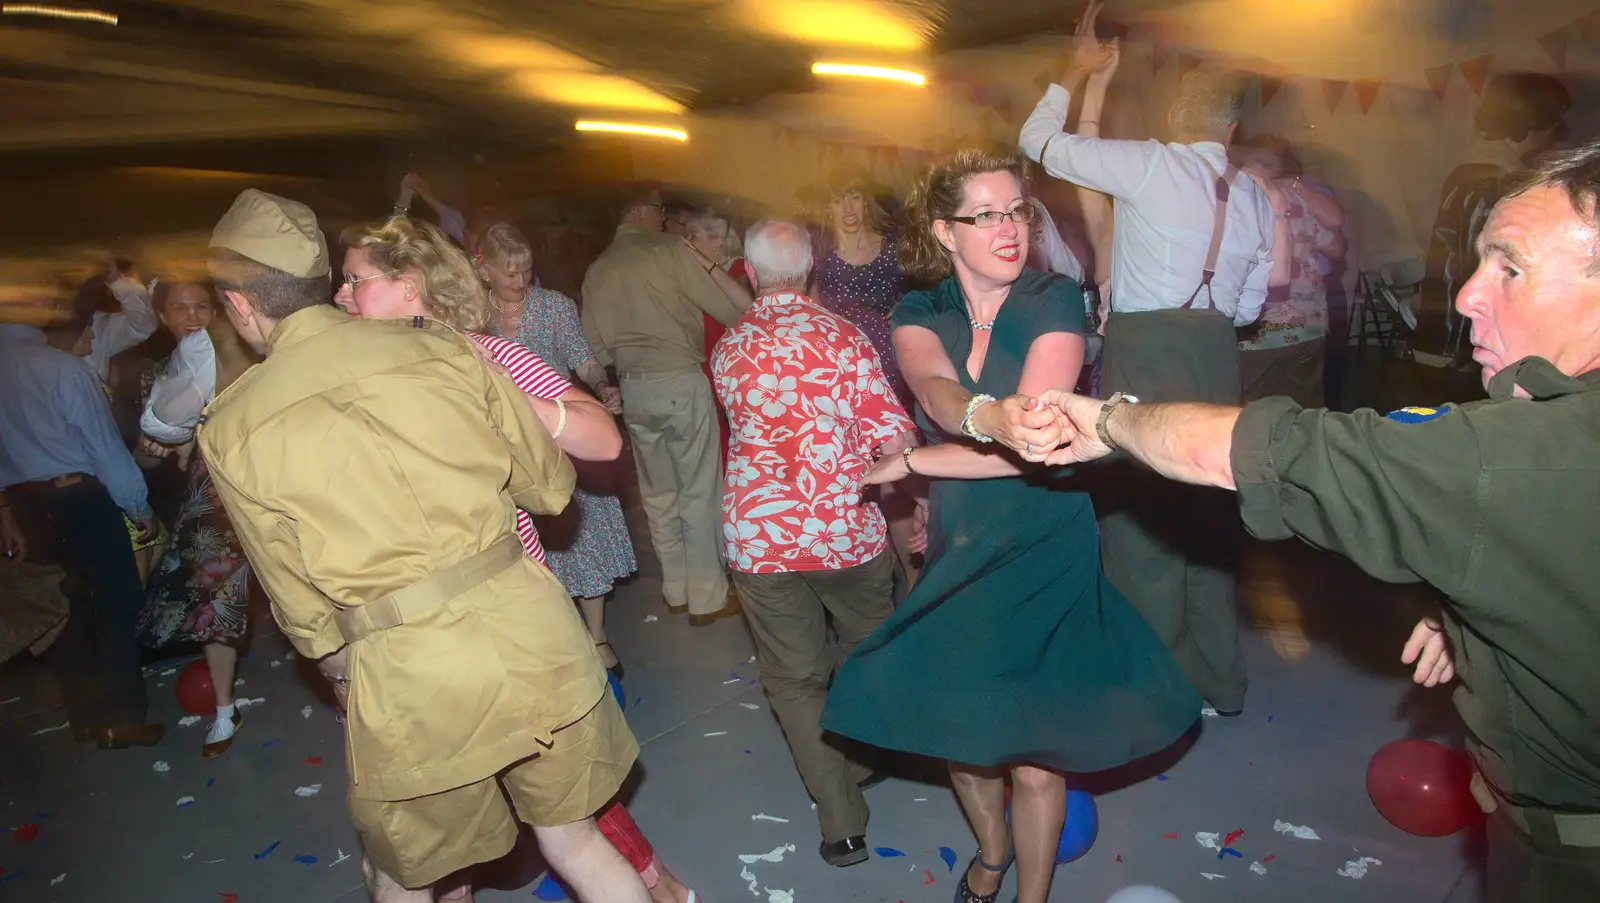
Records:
x=835, y=23
x=58, y=12
x=629, y=128
x=850, y=69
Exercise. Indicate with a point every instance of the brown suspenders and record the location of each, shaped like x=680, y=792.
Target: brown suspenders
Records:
x=1224, y=187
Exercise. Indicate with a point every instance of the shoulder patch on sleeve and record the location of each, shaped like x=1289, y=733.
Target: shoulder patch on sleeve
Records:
x=1418, y=414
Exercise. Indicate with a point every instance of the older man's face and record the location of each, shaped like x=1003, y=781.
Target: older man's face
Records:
x=1534, y=292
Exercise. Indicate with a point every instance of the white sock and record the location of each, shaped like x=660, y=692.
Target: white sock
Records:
x=222, y=728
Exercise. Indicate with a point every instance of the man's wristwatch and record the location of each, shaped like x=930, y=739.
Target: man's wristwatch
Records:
x=1117, y=398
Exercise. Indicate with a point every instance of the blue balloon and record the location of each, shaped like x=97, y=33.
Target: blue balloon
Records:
x=1078, y=831
x=549, y=889
x=616, y=690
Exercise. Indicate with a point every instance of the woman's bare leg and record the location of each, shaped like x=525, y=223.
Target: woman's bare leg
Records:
x=594, y=618
x=222, y=661
x=982, y=795
x=1038, y=809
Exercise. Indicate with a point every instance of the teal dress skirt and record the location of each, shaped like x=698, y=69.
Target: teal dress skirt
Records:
x=1013, y=648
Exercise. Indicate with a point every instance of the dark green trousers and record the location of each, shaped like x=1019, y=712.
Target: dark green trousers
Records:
x=1172, y=549
x=1535, y=866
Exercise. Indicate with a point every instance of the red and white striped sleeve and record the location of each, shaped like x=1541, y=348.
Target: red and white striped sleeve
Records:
x=529, y=371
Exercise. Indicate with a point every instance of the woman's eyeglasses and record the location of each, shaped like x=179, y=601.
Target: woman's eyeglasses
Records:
x=351, y=282
x=1021, y=214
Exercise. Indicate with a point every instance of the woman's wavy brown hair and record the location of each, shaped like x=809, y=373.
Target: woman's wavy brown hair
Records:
x=450, y=287
x=937, y=196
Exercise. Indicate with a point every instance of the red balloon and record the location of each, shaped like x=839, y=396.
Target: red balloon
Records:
x=1422, y=788
x=195, y=692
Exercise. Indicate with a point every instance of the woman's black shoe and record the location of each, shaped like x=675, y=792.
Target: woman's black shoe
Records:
x=850, y=851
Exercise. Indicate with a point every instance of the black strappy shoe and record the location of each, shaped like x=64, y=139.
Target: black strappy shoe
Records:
x=616, y=670
x=964, y=893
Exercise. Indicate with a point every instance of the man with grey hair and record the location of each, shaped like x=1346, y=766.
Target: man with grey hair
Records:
x=809, y=407
x=1190, y=262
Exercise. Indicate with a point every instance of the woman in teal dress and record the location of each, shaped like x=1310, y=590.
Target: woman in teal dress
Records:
x=1013, y=657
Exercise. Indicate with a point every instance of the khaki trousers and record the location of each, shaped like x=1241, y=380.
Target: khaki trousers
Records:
x=672, y=424
x=788, y=617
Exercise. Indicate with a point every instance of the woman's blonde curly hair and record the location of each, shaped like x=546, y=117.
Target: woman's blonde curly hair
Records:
x=451, y=290
x=937, y=196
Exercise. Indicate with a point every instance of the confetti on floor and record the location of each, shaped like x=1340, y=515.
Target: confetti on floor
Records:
x=1209, y=712
x=1258, y=868
x=305, y=711
x=244, y=703
x=1210, y=877
x=927, y=878
x=1357, y=868
x=775, y=856
x=1229, y=851
x=58, y=879
x=919, y=799
x=762, y=816
x=10, y=701
x=161, y=765
x=50, y=730
x=1232, y=836
x=189, y=721
x=887, y=852
x=342, y=857
x=1208, y=840
x=270, y=744
x=651, y=619
x=187, y=856
x=749, y=705
x=755, y=886
x=210, y=781
x=1172, y=836
x=268, y=851
x=306, y=860
x=949, y=857
x=184, y=801
x=25, y=833
x=717, y=734
x=1300, y=831
x=169, y=672
x=733, y=681
x=780, y=896
x=313, y=760
x=275, y=664
x=308, y=790
x=228, y=898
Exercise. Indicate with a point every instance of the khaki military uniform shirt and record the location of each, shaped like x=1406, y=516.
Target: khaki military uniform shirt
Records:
x=1495, y=503
x=361, y=458
x=645, y=301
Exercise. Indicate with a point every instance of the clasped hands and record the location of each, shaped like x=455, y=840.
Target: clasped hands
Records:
x=1053, y=428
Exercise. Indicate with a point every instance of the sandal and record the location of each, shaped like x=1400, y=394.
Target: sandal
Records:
x=616, y=670
x=964, y=893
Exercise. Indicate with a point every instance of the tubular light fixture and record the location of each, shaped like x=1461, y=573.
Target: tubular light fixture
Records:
x=58, y=12
x=630, y=128
x=850, y=69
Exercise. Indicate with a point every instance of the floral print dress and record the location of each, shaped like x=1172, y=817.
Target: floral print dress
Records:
x=587, y=545
x=200, y=590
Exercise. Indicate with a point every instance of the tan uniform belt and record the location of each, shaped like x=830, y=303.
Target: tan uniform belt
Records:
x=1572, y=829
x=424, y=597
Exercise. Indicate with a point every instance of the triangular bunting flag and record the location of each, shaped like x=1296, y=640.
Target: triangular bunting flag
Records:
x=1187, y=64
x=1334, y=92
x=1042, y=80
x=872, y=158
x=1003, y=108
x=1476, y=72
x=1555, y=44
x=1159, y=52
x=1585, y=24
x=1269, y=89
x=891, y=155
x=1439, y=79
x=1367, y=92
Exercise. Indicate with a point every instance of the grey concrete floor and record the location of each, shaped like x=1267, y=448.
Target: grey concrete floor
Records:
x=1326, y=692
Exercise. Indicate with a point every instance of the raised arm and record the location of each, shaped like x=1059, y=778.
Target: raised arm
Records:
x=1098, y=214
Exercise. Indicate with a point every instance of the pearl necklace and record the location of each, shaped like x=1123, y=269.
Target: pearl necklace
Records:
x=980, y=327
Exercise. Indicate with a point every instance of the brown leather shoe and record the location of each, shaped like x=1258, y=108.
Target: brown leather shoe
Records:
x=212, y=750
x=124, y=737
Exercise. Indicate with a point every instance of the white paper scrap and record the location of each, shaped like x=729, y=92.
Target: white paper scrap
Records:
x=275, y=664
x=780, y=896
x=238, y=682
x=762, y=816
x=775, y=856
x=187, y=856
x=1208, y=840
x=1357, y=868
x=342, y=857
x=10, y=701
x=244, y=703
x=1300, y=831
x=717, y=734
x=169, y=672
x=750, y=705
x=1210, y=877
x=50, y=730
x=305, y=711
x=651, y=619
x=308, y=790
x=185, y=801
x=161, y=766
x=1258, y=868
x=1208, y=711
x=746, y=875
x=920, y=799
x=750, y=661
x=58, y=879
x=731, y=680
x=189, y=721
x=290, y=656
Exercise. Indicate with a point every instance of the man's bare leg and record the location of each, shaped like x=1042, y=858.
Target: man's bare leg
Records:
x=384, y=889
x=589, y=864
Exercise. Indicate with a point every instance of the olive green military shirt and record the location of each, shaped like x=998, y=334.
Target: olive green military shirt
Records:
x=1495, y=503
x=644, y=304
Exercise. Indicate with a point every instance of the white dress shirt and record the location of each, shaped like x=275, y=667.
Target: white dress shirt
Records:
x=1165, y=215
x=182, y=391
x=112, y=334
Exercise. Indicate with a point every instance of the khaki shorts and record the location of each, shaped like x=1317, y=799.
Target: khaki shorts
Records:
x=419, y=841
